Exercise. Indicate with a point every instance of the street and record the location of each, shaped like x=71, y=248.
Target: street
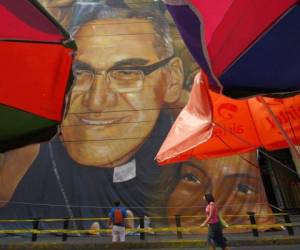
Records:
x=281, y=247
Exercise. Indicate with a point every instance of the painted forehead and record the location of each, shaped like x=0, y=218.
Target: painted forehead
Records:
x=101, y=39
x=116, y=27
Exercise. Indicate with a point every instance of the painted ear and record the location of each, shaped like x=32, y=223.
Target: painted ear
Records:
x=175, y=81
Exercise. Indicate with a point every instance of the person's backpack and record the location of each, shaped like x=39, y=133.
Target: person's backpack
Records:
x=118, y=216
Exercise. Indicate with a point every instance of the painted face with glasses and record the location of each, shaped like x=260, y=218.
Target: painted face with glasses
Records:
x=121, y=85
x=119, y=78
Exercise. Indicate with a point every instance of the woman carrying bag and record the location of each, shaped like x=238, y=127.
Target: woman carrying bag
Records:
x=215, y=231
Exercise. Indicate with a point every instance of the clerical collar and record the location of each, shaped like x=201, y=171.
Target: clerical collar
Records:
x=125, y=172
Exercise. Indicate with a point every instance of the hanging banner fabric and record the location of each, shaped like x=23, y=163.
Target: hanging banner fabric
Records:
x=247, y=47
x=195, y=116
x=242, y=126
x=133, y=76
x=22, y=20
x=36, y=73
x=35, y=77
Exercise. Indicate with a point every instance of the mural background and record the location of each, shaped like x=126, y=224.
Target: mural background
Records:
x=117, y=117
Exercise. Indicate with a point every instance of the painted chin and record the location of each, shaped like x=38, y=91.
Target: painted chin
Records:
x=104, y=154
x=115, y=157
x=96, y=154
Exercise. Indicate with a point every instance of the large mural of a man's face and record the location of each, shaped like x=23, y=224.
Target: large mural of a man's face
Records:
x=126, y=72
x=123, y=77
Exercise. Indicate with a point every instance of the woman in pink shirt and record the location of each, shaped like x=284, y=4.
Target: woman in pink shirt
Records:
x=215, y=232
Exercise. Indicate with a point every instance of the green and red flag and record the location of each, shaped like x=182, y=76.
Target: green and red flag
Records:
x=36, y=71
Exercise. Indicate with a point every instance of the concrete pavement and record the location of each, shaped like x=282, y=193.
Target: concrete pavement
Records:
x=151, y=242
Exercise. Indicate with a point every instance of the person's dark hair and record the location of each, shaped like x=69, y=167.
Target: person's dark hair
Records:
x=209, y=198
x=117, y=203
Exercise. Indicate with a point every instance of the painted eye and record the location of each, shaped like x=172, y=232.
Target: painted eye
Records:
x=126, y=74
x=80, y=72
x=84, y=79
x=245, y=189
x=191, y=178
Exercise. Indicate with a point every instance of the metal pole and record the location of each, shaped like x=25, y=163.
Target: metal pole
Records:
x=35, y=226
x=253, y=222
x=66, y=226
x=178, y=225
x=142, y=226
x=288, y=220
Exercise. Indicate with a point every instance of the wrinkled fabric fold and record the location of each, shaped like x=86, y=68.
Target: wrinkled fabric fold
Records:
x=192, y=126
x=232, y=127
x=247, y=47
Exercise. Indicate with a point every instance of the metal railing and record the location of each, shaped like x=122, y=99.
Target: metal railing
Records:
x=178, y=229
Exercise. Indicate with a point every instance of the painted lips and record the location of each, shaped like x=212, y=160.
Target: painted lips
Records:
x=101, y=122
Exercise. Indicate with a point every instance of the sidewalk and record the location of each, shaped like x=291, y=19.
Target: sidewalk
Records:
x=150, y=242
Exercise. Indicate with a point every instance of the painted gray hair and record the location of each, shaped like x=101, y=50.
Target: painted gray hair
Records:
x=85, y=12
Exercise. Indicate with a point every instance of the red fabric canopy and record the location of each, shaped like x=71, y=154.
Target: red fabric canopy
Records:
x=21, y=20
x=246, y=47
x=35, y=62
x=226, y=22
x=34, y=77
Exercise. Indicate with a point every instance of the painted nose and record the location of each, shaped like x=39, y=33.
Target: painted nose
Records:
x=99, y=96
